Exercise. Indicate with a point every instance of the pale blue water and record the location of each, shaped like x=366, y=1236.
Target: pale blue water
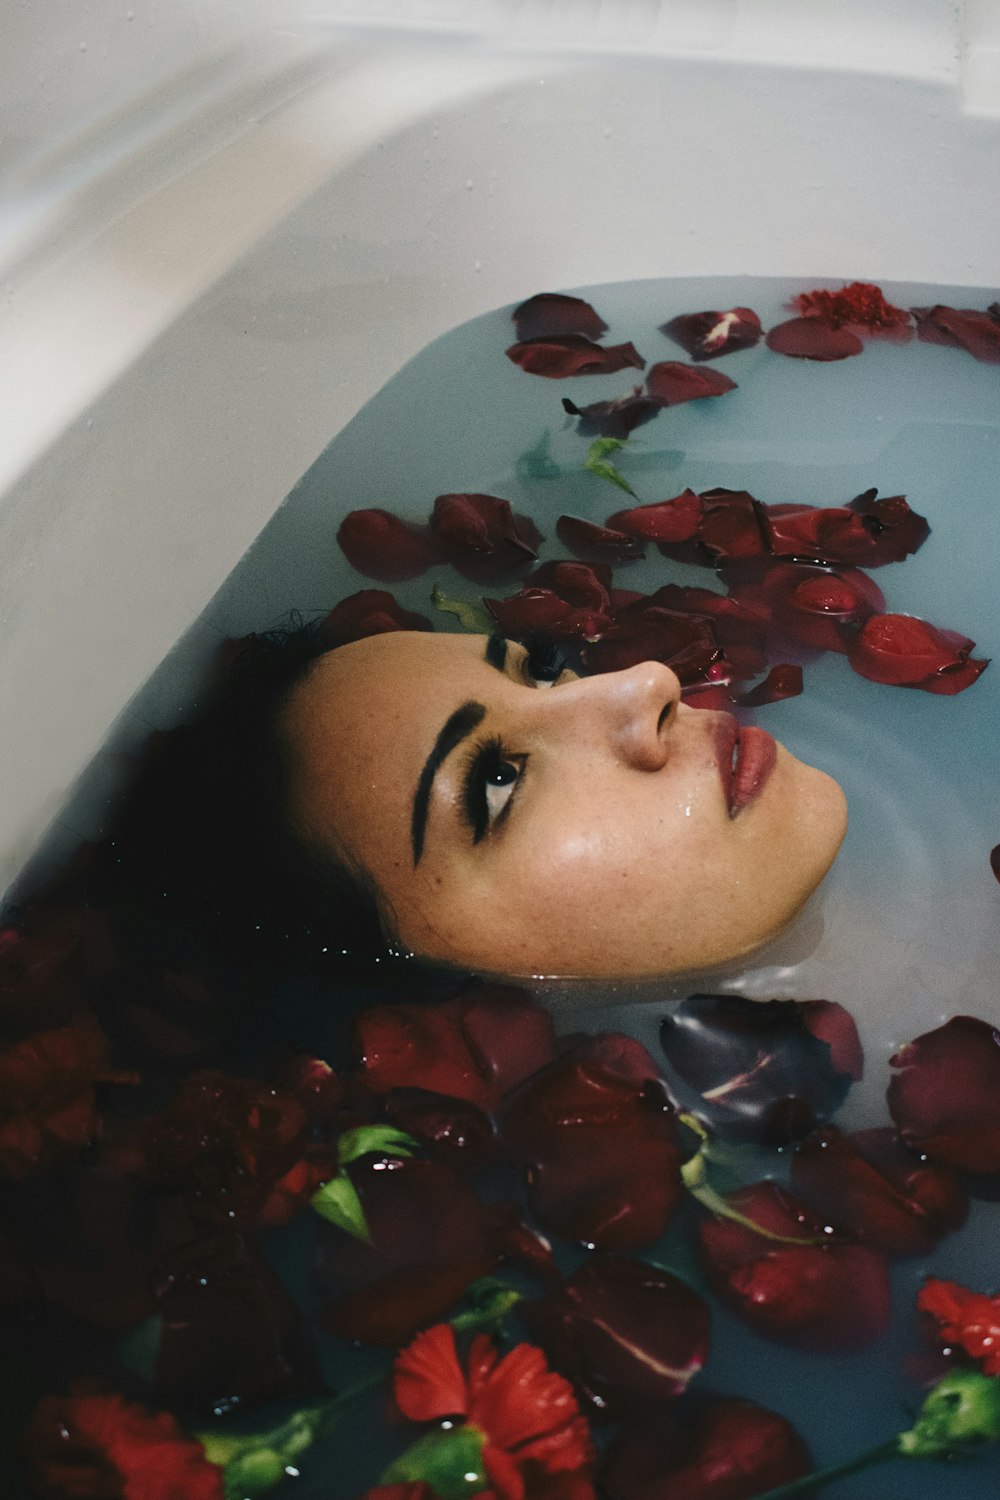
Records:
x=907, y=928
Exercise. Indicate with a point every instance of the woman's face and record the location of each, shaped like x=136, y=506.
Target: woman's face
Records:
x=587, y=827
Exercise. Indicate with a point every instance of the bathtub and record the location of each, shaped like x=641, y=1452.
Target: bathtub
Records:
x=222, y=230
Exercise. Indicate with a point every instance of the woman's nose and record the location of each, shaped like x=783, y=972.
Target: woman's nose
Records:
x=632, y=711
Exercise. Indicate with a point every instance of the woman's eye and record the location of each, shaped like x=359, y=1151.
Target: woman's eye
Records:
x=498, y=787
x=491, y=782
x=543, y=663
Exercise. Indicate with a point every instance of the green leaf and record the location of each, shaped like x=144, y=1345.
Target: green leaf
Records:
x=537, y=463
x=596, y=463
x=485, y=1305
x=471, y=615
x=374, y=1140
x=338, y=1201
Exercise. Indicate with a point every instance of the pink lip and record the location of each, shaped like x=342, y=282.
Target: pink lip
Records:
x=744, y=775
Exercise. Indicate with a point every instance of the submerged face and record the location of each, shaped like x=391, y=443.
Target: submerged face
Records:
x=591, y=827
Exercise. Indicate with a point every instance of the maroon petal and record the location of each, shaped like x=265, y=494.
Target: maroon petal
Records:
x=871, y=1188
x=613, y=418
x=541, y=612
x=601, y=1154
x=827, y=1298
x=627, y=1334
x=723, y=1449
x=995, y=860
x=451, y=1130
x=671, y=383
x=597, y=543
x=829, y=1022
x=733, y=525
x=482, y=537
x=369, y=612
x=945, y=1096
x=756, y=1070
x=809, y=338
x=960, y=328
x=583, y=585
x=818, y=607
x=706, y=335
x=558, y=357
x=550, y=313
x=431, y=1236
x=675, y=520
x=684, y=642
x=867, y=533
x=903, y=651
x=382, y=546
x=783, y=681
x=739, y=630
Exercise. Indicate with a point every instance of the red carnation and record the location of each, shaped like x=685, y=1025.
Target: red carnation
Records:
x=859, y=306
x=906, y=652
x=531, y=1429
x=945, y=1097
x=969, y=1319
x=107, y=1448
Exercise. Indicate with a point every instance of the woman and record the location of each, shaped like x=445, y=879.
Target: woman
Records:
x=469, y=801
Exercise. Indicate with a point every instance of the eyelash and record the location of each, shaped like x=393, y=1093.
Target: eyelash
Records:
x=485, y=761
x=543, y=662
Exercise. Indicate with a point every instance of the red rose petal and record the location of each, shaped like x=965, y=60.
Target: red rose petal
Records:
x=369, y=612
x=829, y=1022
x=482, y=536
x=867, y=533
x=383, y=546
x=783, y=681
x=597, y=543
x=671, y=383
x=613, y=418
x=945, y=1096
x=550, y=313
x=995, y=860
x=808, y=338
x=733, y=525
x=675, y=520
x=647, y=632
x=557, y=358
x=817, y=607
x=903, y=651
x=960, y=328
x=707, y=335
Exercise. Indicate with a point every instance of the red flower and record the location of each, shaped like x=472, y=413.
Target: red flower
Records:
x=49, y=1104
x=528, y=1416
x=550, y=313
x=626, y=1333
x=600, y=1151
x=725, y=1450
x=556, y=357
x=860, y=306
x=597, y=543
x=369, y=612
x=945, y=1097
x=482, y=537
x=870, y=1187
x=671, y=383
x=475, y=1047
x=810, y=338
x=107, y=1448
x=906, y=652
x=827, y=1298
x=961, y=328
x=613, y=418
x=707, y=335
x=383, y=546
x=969, y=1319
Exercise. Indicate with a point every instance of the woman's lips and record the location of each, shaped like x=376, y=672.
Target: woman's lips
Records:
x=746, y=759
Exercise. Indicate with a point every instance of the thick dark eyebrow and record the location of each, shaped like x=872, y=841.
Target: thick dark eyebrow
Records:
x=461, y=724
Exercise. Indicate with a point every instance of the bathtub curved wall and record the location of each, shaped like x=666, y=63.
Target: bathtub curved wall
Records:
x=223, y=230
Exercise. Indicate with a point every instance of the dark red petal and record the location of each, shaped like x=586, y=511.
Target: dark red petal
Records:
x=613, y=418
x=995, y=860
x=482, y=536
x=627, y=1334
x=675, y=520
x=945, y=1097
x=808, y=338
x=707, y=335
x=732, y=525
x=829, y=1022
x=556, y=358
x=382, y=546
x=597, y=543
x=826, y=1298
x=867, y=533
x=584, y=585
x=601, y=1154
x=960, y=328
x=671, y=383
x=550, y=313
x=903, y=651
x=813, y=606
x=684, y=642
x=369, y=612
x=725, y=1449
x=451, y=1130
x=754, y=1069
x=783, y=681
x=871, y=1188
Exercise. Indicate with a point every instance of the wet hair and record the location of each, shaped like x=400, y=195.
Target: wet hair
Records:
x=206, y=830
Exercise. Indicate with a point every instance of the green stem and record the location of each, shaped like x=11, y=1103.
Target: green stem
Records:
x=694, y=1175
x=810, y=1482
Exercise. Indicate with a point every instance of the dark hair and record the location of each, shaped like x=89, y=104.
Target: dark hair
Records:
x=206, y=829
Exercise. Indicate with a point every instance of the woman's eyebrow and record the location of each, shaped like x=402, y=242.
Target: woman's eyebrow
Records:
x=461, y=724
